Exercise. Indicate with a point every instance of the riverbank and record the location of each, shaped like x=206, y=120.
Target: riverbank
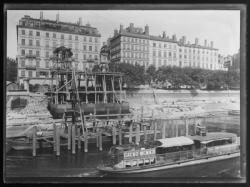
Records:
x=181, y=103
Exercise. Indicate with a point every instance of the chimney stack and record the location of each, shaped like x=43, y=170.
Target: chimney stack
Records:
x=212, y=44
x=164, y=35
x=115, y=32
x=174, y=37
x=184, y=39
x=131, y=26
x=196, y=41
x=80, y=21
x=121, y=28
x=41, y=15
x=205, y=43
x=57, y=18
x=147, y=30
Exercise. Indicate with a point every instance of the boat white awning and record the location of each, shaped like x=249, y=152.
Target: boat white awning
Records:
x=175, y=141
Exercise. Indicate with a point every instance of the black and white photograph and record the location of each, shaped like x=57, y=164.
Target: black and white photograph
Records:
x=101, y=93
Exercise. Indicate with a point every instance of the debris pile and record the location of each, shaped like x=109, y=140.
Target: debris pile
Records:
x=35, y=110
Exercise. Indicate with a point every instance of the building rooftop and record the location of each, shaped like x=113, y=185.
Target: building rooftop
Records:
x=59, y=26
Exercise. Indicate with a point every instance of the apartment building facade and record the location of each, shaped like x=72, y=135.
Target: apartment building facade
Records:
x=37, y=39
x=133, y=45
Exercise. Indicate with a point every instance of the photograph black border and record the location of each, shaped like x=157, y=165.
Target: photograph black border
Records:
x=124, y=6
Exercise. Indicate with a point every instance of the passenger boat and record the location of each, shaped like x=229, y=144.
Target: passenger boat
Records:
x=172, y=152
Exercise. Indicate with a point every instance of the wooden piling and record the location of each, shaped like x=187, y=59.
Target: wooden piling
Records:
x=130, y=132
x=137, y=137
x=155, y=130
x=186, y=125
x=145, y=133
x=86, y=142
x=97, y=137
x=69, y=136
x=73, y=139
x=195, y=126
x=79, y=138
x=114, y=134
x=176, y=129
x=100, y=140
x=54, y=137
x=120, y=136
x=142, y=109
x=57, y=141
x=34, y=141
x=163, y=129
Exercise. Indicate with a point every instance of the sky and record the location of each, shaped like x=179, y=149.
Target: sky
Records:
x=220, y=26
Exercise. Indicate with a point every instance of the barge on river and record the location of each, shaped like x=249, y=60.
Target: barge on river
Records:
x=172, y=152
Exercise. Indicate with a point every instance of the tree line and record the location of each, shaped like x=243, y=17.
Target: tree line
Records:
x=173, y=77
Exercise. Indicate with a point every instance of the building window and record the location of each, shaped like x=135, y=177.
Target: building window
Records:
x=37, y=33
x=90, y=39
x=84, y=56
x=23, y=63
x=37, y=74
x=23, y=73
x=76, y=55
x=37, y=53
x=84, y=39
x=159, y=53
x=84, y=48
x=180, y=56
x=180, y=63
x=90, y=56
x=169, y=54
x=70, y=37
x=23, y=32
x=54, y=35
x=37, y=42
x=30, y=33
x=30, y=42
x=30, y=62
x=159, y=62
x=154, y=53
x=90, y=48
x=47, y=34
x=23, y=42
x=37, y=63
x=47, y=64
x=62, y=36
x=96, y=57
x=54, y=44
x=30, y=52
x=70, y=45
x=154, y=62
x=96, y=48
x=47, y=54
x=76, y=37
x=30, y=73
x=154, y=44
x=46, y=43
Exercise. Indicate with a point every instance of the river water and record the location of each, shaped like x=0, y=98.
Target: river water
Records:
x=83, y=165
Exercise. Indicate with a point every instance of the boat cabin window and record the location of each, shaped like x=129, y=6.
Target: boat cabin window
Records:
x=219, y=142
x=127, y=164
x=140, y=163
x=146, y=162
x=163, y=150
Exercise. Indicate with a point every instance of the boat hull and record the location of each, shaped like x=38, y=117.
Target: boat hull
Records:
x=152, y=168
x=57, y=110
